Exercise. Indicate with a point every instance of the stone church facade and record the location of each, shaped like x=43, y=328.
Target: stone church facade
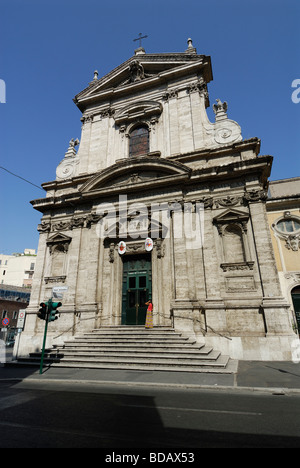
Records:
x=157, y=202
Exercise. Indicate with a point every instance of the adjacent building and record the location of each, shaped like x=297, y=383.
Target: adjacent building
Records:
x=17, y=269
x=283, y=208
x=12, y=300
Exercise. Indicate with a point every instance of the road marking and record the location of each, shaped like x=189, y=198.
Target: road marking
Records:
x=197, y=410
x=15, y=400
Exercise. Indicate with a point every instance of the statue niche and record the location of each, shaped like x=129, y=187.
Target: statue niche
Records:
x=58, y=249
x=58, y=261
x=233, y=244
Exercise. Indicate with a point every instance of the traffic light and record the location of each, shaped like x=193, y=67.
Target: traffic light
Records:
x=43, y=311
x=53, y=310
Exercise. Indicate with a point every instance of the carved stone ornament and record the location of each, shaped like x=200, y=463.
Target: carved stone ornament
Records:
x=77, y=222
x=237, y=266
x=224, y=131
x=256, y=195
x=112, y=253
x=228, y=201
x=93, y=218
x=136, y=71
x=87, y=119
x=292, y=242
x=220, y=108
x=55, y=279
x=170, y=94
x=293, y=277
x=160, y=248
x=200, y=87
x=67, y=167
x=207, y=202
x=61, y=225
x=45, y=226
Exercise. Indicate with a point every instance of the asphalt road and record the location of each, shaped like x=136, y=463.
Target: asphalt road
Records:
x=56, y=415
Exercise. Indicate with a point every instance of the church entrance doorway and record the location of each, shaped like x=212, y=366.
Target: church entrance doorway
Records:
x=295, y=293
x=137, y=288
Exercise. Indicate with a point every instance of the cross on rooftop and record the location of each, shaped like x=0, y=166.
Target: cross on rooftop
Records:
x=140, y=39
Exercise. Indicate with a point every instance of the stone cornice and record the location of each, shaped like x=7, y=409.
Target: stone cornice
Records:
x=209, y=176
x=252, y=143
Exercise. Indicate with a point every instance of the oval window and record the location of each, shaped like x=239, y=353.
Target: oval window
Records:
x=288, y=226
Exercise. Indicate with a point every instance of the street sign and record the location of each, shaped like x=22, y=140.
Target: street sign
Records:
x=5, y=322
x=21, y=318
x=58, y=291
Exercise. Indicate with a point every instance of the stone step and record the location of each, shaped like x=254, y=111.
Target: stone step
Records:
x=135, y=348
x=228, y=367
x=220, y=361
x=124, y=339
x=116, y=358
x=135, y=328
x=170, y=347
x=133, y=356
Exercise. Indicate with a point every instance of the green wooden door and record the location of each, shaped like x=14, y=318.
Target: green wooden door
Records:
x=296, y=302
x=137, y=285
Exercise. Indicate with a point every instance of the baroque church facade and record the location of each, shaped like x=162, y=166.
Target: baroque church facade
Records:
x=157, y=202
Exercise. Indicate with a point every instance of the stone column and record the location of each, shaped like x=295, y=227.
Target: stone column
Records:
x=214, y=304
x=185, y=307
x=273, y=304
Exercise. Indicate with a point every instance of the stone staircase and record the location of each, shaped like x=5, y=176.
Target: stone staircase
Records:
x=135, y=348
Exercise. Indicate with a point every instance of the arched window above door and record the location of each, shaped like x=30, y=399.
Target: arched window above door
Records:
x=139, y=141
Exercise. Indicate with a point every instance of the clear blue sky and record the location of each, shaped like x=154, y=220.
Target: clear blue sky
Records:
x=49, y=50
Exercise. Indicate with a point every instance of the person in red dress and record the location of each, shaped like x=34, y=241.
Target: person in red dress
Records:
x=149, y=316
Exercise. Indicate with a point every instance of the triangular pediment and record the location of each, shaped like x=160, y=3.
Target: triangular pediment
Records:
x=231, y=215
x=58, y=238
x=137, y=171
x=142, y=69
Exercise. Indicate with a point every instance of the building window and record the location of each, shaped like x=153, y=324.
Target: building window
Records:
x=139, y=141
x=288, y=226
x=4, y=314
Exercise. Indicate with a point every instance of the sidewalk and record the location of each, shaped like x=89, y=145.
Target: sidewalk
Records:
x=269, y=376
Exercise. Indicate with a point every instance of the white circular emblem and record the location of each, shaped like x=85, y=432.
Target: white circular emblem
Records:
x=122, y=247
x=148, y=244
